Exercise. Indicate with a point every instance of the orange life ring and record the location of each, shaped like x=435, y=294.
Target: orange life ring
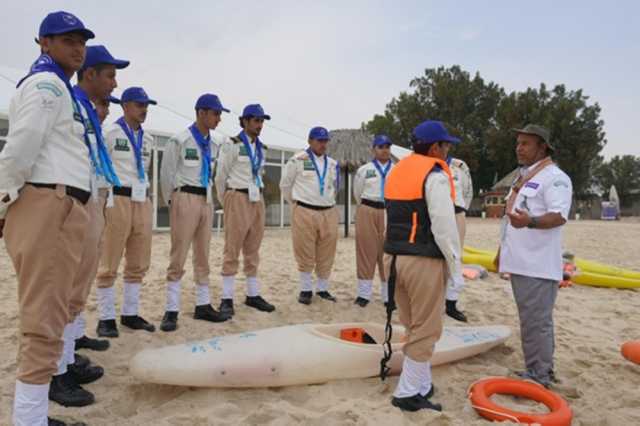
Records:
x=631, y=351
x=480, y=396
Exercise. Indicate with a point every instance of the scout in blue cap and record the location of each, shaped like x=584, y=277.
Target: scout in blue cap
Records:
x=239, y=186
x=128, y=226
x=186, y=183
x=96, y=81
x=102, y=107
x=368, y=190
x=310, y=183
x=52, y=188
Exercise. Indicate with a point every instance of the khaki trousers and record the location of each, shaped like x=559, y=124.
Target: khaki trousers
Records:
x=243, y=232
x=370, y=229
x=419, y=295
x=315, y=237
x=128, y=227
x=191, y=224
x=44, y=233
x=90, y=254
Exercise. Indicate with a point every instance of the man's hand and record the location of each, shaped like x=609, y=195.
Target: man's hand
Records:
x=519, y=219
x=1, y=227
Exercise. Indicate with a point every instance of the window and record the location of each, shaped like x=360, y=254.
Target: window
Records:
x=271, y=194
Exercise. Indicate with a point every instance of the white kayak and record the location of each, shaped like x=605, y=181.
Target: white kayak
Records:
x=296, y=355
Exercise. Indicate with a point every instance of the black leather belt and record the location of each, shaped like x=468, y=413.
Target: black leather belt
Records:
x=374, y=204
x=312, y=207
x=77, y=193
x=458, y=209
x=197, y=190
x=124, y=191
x=243, y=190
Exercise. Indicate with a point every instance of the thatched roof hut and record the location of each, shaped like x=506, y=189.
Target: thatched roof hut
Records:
x=350, y=147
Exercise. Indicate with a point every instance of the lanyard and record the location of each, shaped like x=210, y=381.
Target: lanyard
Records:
x=254, y=157
x=321, y=178
x=205, y=149
x=383, y=174
x=137, y=146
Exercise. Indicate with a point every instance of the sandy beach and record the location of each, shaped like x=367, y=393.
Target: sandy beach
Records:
x=591, y=324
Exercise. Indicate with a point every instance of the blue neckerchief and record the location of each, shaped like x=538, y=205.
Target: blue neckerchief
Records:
x=104, y=166
x=137, y=146
x=254, y=157
x=383, y=174
x=323, y=176
x=45, y=63
x=205, y=150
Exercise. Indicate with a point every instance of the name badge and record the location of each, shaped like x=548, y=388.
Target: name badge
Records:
x=254, y=193
x=139, y=192
x=209, y=194
x=110, y=198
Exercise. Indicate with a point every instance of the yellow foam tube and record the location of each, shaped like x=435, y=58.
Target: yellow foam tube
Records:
x=602, y=269
x=601, y=280
x=479, y=259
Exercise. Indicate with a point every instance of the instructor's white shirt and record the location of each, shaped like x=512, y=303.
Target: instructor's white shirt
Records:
x=462, y=182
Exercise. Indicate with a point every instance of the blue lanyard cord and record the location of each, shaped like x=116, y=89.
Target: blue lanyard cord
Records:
x=323, y=176
x=137, y=146
x=383, y=174
x=205, y=150
x=254, y=157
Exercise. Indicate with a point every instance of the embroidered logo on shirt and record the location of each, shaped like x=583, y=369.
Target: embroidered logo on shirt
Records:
x=50, y=87
x=532, y=185
x=122, y=145
x=191, y=154
x=243, y=151
x=308, y=165
x=370, y=174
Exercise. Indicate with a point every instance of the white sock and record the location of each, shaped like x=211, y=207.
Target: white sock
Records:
x=306, y=283
x=80, y=324
x=68, y=345
x=131, y=299
x=365, y=289
x=384, y=291
x=322, y=285
x=253, y=287
x=415, y=377
x=202, y=295
x=228, y=282
x=30, y=404
x=107, y=303
x=173, y=296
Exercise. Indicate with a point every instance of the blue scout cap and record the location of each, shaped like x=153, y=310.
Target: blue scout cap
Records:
x=97, y=55
x=61, y=23
x=319, y=134
x=136, y=94
x=433, y=131
x=210, y=101
x=380, y=140
x=254, y=110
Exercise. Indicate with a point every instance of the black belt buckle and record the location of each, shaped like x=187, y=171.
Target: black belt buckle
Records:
x=125, y=191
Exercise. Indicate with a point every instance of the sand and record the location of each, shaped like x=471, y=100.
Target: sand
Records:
x=591, y=323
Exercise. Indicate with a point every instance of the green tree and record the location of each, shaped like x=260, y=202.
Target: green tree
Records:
x=621, y=171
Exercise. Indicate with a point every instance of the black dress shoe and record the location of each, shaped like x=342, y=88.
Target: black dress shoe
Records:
x=93, y=344
x=81, y=360
x=415, y=403
x=107, y=328
x=136, y=322
x=66, y=392
x=86, y=374
x=207, y=313
x=453, y=311
x=55, y=422
x=169, y=321
x=361, y=301
x=305, y=297
x=259, y=303
x=326, y=296
x=226, y=307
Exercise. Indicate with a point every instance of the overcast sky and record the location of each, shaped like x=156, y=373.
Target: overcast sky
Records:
x=337, y=63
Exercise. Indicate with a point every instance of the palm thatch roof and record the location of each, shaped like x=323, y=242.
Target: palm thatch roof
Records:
x=505, y=183
x=351, y=148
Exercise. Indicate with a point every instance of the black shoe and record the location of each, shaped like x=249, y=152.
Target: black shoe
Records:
x=66, y=392
x=81, y=360
x=305, y=297
x=86, y=374
x=169, y=321
x=326, y=296
x=107, y=328
x=453, y=312
x=226, y=307
x=55, y=422
x=259, y=303
x=415, y=403
x=136, y=322
x=207, y=313
x=361, y=301
x=93, y=344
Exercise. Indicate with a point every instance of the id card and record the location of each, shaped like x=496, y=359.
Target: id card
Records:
x=254, y=192
x=139, y=192
x=209, y=194
x=110, y=198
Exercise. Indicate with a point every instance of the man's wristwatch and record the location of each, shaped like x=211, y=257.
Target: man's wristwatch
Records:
x=533, y=224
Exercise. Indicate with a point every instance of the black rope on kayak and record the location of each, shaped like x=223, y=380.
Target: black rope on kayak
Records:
x=388, y=329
